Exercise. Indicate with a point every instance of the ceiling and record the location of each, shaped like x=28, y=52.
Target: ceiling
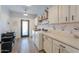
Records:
x=33, y=10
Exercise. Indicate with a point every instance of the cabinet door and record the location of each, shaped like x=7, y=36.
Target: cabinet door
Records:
x=53, y=14
x=0, y=48
x=77, y=13
x=59, y=47
x=63, y=13
x=67, y=49
x=56, y=48
x=73, y=16
x=48, y=45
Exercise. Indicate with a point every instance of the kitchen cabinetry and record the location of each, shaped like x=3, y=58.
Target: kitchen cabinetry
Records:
x=53, y=14
x=63, y=13
x=73, y=13
x=0, y=48
x=55, y=47
x=77, y=13
x=47, y=44
x=37, y=39
x=59, y=47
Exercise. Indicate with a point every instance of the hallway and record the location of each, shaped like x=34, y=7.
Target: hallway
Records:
x=24, y=45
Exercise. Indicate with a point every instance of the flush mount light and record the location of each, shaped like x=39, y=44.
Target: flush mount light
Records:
x=28, y=5
x=25, y=14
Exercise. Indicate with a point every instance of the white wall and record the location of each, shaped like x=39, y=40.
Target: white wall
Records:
x=4, y=19
x=15, y=24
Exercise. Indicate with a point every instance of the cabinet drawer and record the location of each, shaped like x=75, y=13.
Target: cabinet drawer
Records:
x=68, y=49
x=63, y=48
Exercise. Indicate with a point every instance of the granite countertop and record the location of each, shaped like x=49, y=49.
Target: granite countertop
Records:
x=66, y=38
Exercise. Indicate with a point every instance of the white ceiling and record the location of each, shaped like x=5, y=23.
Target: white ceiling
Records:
x=32, y=10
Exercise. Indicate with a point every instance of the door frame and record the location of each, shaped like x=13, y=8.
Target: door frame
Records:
x=22, y=29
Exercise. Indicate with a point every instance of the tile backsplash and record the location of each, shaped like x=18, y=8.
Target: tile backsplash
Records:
x=72, y=28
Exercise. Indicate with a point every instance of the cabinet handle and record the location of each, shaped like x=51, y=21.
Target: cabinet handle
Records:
x=72, y=17
x=66, y=18
x=59, y=50
x=62, y=46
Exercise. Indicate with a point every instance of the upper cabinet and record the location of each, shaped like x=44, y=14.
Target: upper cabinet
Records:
x=77, y=13
x=73, y=13
x=63, y=13
x=53, y=14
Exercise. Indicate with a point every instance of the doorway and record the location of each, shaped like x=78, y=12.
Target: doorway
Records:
x=24, y=28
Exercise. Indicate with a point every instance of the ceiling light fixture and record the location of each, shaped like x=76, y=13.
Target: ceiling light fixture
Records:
x=25, y=14
x=28, y=5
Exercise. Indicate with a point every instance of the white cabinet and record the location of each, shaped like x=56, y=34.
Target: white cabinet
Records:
x=59, y=47
x=63, y=13
x=73, y=13
x=53, y=14
x=77, y=13
x=0, y=48
x=55, y=47
x=47, y=44
x=37, y=39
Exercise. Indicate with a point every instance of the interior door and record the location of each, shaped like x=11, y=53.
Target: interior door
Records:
x=24, y=28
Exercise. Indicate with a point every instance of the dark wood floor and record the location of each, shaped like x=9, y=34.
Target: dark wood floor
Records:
x=24, y=45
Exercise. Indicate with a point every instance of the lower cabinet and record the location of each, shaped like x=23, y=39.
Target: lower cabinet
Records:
x=47, y=44
x=37, y=40
x=56, y=48
x=51, y=45
x=0, y=48
x=59, y=47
